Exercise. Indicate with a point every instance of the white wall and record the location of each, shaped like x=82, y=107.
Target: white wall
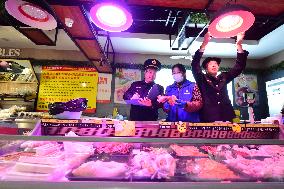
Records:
x=166, y=60
x=274, y=59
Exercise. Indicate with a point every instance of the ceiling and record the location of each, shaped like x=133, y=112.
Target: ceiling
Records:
x=10, y=37
x=155, y=21
x=159, y=44
x=164, y=17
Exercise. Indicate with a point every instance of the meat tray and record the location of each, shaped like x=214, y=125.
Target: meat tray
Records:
x=183, y=174
x=255, y=178
x=101, y=157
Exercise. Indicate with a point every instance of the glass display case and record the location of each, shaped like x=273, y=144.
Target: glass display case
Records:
x=18, y=126
x=128, y=162
x=19, y=84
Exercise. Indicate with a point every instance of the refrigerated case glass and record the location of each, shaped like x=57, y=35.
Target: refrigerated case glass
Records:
x=138, y=160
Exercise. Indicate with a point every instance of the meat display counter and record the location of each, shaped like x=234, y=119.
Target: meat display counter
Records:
x=132, y=162
x=18, y=126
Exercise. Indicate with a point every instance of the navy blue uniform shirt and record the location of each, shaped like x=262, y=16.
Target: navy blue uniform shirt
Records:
x=143, y=113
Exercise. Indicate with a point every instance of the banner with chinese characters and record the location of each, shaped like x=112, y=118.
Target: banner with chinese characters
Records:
x=104, y=88
x=61, y=84
x=123, y=79
x=243, y=84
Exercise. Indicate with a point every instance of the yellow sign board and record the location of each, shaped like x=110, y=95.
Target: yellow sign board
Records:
x=61, y=84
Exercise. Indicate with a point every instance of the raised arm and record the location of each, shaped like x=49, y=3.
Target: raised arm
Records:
x=241, y=59
x=240, y=38
x=196, y=69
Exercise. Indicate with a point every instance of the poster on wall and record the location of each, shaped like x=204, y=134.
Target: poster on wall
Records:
x=123, y=79
x=243, y=84
x=61, y=84
x=275, y=91
x=104, y=88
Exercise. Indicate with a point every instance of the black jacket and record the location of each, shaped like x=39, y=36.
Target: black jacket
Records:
x=143, y=113
x=216, y=103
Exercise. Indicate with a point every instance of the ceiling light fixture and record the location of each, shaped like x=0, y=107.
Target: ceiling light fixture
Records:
x=30, y=14
x=231, y=20
x=111, y=16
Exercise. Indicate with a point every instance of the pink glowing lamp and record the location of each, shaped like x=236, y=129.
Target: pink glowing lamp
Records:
x=111, y=17
x=230, y=21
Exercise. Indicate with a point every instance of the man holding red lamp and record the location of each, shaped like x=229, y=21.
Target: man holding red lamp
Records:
x=216, y=103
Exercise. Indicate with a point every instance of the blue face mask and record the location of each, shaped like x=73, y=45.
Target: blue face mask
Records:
x=178, y=77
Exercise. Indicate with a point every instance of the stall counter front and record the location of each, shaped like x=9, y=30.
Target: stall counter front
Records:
x=132, y=162
x=155, y=129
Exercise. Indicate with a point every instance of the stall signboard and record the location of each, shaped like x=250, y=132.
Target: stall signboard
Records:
x=10, y=52
x=104, y=88
x=111, y=128
x=61, y=84
x=243, y=84
x=123, y=79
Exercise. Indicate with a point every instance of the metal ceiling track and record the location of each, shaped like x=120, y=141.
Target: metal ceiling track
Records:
x=108, y=49
x=183, y=30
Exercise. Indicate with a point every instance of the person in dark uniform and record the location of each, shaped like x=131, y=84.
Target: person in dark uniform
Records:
x=216, y=103
x=148, y=108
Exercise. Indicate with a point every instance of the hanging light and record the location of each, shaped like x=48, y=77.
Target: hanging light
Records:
x=111, y=16
x=231, y=20
x=30, y=14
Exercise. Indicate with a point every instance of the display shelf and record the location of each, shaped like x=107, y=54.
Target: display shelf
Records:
x=16, y=98
x=20, y=82
x=17, y=126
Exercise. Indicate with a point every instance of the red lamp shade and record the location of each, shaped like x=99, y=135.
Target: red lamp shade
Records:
x=230, y=21
x=30, y=14
x=111, y=16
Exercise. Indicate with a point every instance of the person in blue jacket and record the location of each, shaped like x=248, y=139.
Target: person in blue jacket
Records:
x=188, y=100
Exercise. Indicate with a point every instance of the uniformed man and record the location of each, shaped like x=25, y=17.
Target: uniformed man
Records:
x=216, y=103
x=147, y=110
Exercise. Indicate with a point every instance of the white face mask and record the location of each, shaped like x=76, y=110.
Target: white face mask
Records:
x=178, y=77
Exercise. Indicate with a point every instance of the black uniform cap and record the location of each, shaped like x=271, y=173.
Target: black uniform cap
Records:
x=152, y=63
x=208, y=59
